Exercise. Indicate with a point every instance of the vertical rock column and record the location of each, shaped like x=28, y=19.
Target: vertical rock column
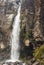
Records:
x=42, y=15
x=37, y=31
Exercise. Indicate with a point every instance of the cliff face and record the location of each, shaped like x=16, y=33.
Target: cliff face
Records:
x=32, y=27
x=26, y=35
x=27, y=13
x=42, y=16
x=5, y=32
x=28, y=4
x=37, y=31
x=31, y=35
x=7, y=14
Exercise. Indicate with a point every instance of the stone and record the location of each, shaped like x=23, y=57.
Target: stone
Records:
x=27, y=42
x=2, y=46
x=12, y=63
x=36, y=63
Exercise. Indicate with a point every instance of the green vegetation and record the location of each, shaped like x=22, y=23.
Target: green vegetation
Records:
x=39, y=54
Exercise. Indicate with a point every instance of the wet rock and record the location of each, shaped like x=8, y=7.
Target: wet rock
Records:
x=32, y=60
x=36, y=63
x=12, y=63
x=29, y=63
x=5, y=64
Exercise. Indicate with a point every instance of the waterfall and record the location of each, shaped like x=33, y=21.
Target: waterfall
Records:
x=15, y=37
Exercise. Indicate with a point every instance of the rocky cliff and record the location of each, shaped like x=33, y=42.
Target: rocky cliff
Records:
x=32, y=29
x=8, y=10
x=42, y=16
x=26, y=35
x=31, y=35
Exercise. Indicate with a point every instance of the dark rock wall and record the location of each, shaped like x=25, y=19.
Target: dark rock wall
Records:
x=32, y=25
x=26, y=36
x=28, y=4
x=42, y=16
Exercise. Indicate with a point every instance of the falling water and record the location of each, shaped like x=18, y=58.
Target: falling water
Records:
x=15, y=37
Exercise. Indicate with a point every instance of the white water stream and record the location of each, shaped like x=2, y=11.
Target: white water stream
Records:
x=15, y=37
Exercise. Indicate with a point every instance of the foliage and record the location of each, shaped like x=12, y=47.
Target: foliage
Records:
x=39, y=53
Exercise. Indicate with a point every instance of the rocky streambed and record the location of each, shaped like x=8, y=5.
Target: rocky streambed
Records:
x=20, y=63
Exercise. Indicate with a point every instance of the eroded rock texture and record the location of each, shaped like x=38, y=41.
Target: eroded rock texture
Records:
x=7, y=14
x=42, y=16
x=37, y=31
x=26, y=36
x=32, y=26
x=5, y=32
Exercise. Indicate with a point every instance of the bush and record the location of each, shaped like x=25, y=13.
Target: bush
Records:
x=39, y=53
